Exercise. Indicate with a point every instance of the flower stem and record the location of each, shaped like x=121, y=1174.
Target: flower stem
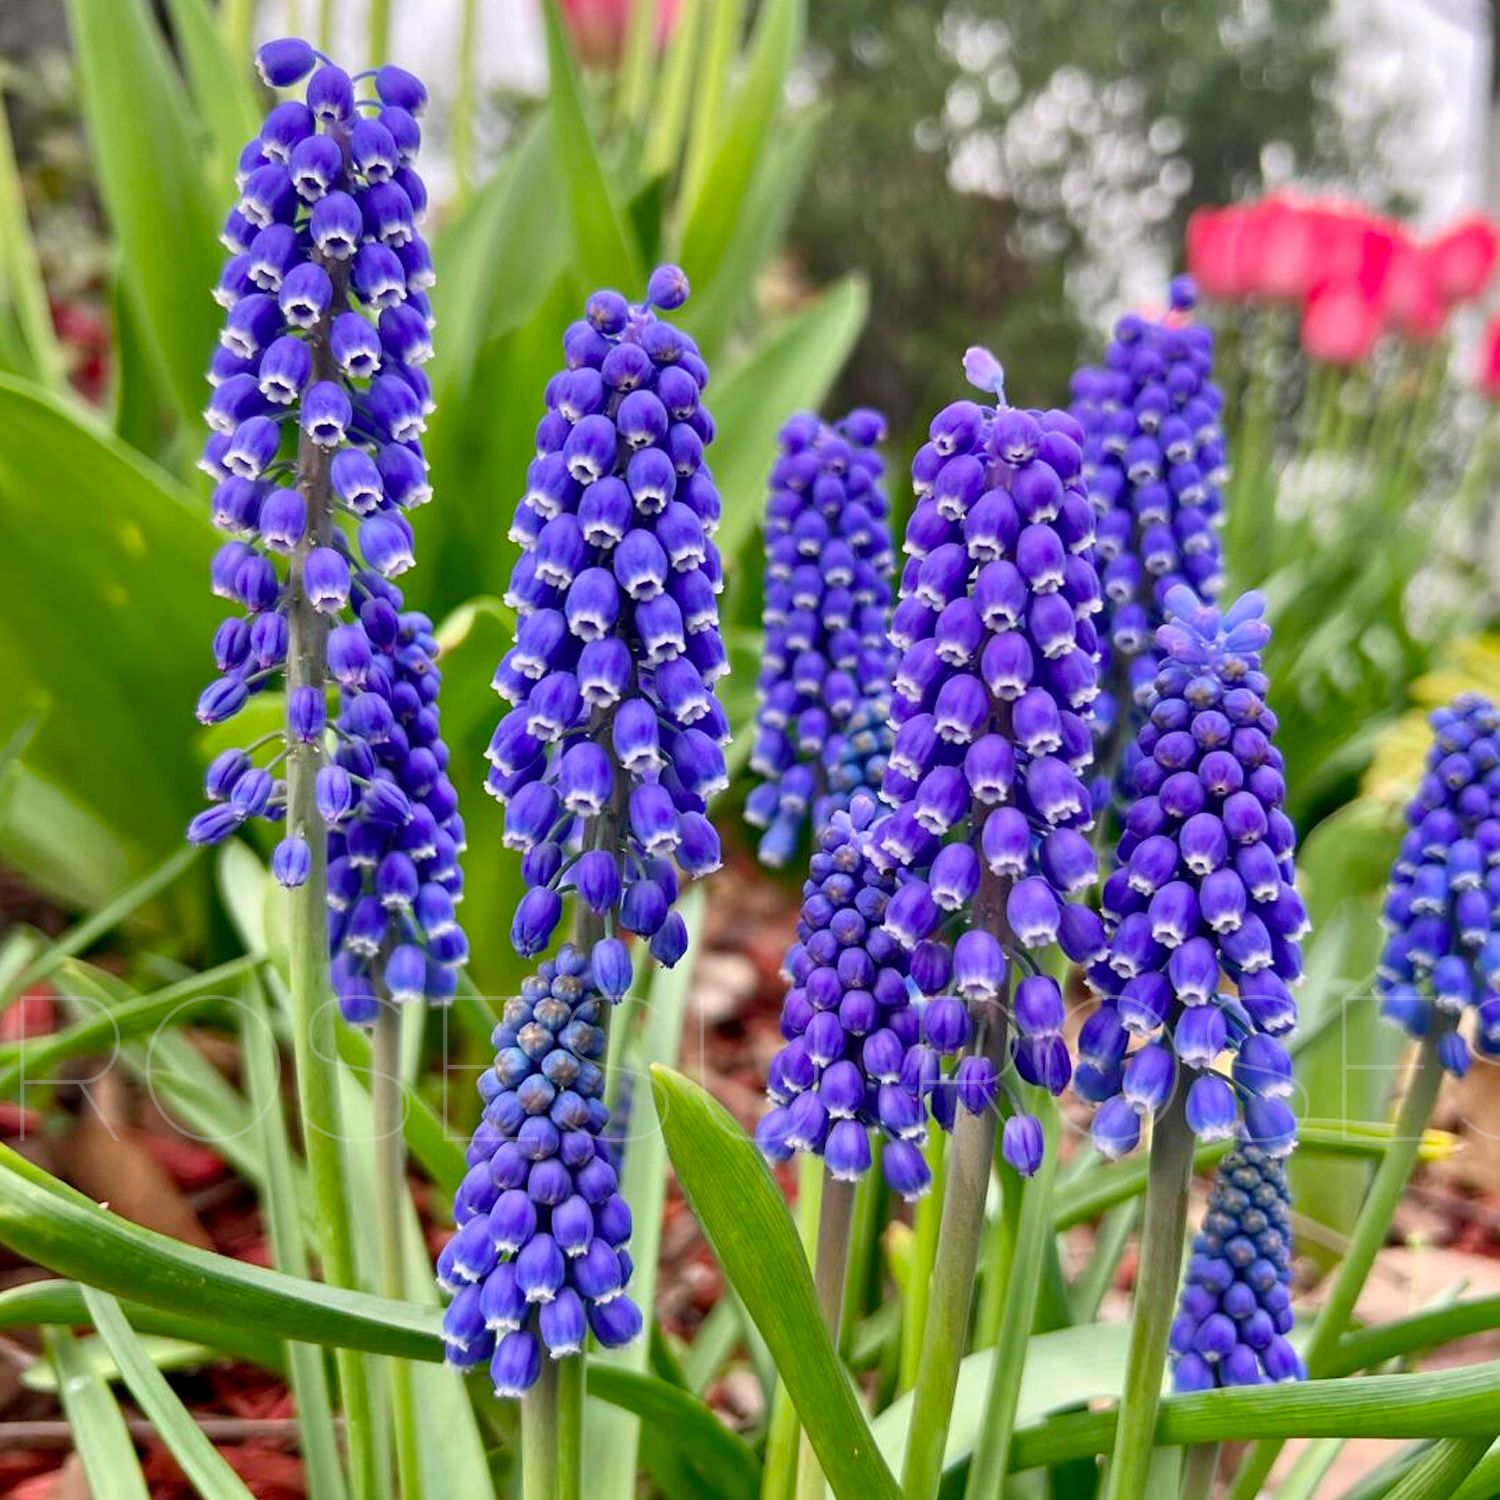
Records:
x=1155, y=1299
x=952, y=1289
x=835, y=1214
x=1369, y=1234
x=541, y=1467
x=1198, y=1471
x=463, y=100
x=392, y=1200
x=927, y=1222
x=379, y=33
x=570, y=1389
x=1021, y=1288
x=313, y=1009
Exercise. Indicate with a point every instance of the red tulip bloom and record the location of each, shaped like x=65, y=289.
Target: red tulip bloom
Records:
x=1489, y=360
x=1411, y=296
x=1340, y=321
x=1463, y=258
x=599, y=27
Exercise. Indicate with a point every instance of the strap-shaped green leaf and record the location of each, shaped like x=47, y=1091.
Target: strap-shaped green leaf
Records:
x=50, y=1223
x=206, y=1468
x=606, y=252
x=742, y=1212
x=99, y=1432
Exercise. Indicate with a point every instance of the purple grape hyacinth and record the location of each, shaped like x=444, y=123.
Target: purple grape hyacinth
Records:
x=848, y=1022
x=615, y=740
x=1154, y=460
x=827, y=596
x=540, y=1260
x=1203, y=900
x=1442, y=952
x=988, y=841
x=1236, y=1308
x=317, y=408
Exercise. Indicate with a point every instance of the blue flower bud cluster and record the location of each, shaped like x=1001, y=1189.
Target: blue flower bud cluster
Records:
x=1203, y=900
x=540, y=1258
x=827, y=597
x=1441, y=958
x=318, y=406
x=1153, y=456
x=1236, y=1310
x=988, y=841
x=395, y=833
x=848, y=1065
x=614, y=743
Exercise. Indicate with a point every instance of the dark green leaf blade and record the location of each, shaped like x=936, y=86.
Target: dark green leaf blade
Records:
x=742, y=1213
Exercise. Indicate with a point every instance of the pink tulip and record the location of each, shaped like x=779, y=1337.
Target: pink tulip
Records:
x=1489, y=360
x=599, y=27
x=1340, y=322
x=1463, y=258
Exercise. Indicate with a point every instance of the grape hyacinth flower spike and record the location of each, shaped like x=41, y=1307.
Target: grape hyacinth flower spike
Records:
x=1236, y=1308
x=615, y=739
x=988, y=840
x=1154, y=460
x=824, y=682
x=540, y=1260
x=1441, y=959
x=848, y=1022
x=317, y=405
x=1205, y=923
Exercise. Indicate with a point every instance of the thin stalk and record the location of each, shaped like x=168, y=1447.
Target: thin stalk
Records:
x=463, y=100
x=570, y=1389
x=835, y=1215
x=541, y=1469
x=1198, y=1471
x=869, y=1214
x=999, y=1256
x=1359, y=1256
x=1440, y=1471
x=325, y=25
x=379, y=33
x=392, y=1200
x=779, y=1471
x=237, y=21
x=926, y=1223
x=1155, y=1299
x=1022, y=1286
x=313, y=1011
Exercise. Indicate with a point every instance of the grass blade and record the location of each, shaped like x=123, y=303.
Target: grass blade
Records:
x=205, y=1467
x=99, y=1432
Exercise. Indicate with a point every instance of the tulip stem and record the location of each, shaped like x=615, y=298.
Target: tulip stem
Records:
x=1155, y=1299
x=1370, y=1230
x=313, y=1008
x=835, y=1214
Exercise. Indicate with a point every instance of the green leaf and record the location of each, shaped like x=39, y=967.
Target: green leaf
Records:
x=99, y=1432
x=32, y=1060
x=46, y=1221
x=714, y=206
x=790, y=368
x=710, y=91
x=222, y=90
x=155, y=194
x=677, y=1418
x=23, y=293
x=742, y=1213
x=36, y=1304
x=206, y=1468
x=114, y=640
x=606, y=253
x=669, y=109
x=767, y=208
x=165, y=1354
x=100, y=923
x=612, y=1439
x=1451, y=1403
x=67, y=851
x=11, y=771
